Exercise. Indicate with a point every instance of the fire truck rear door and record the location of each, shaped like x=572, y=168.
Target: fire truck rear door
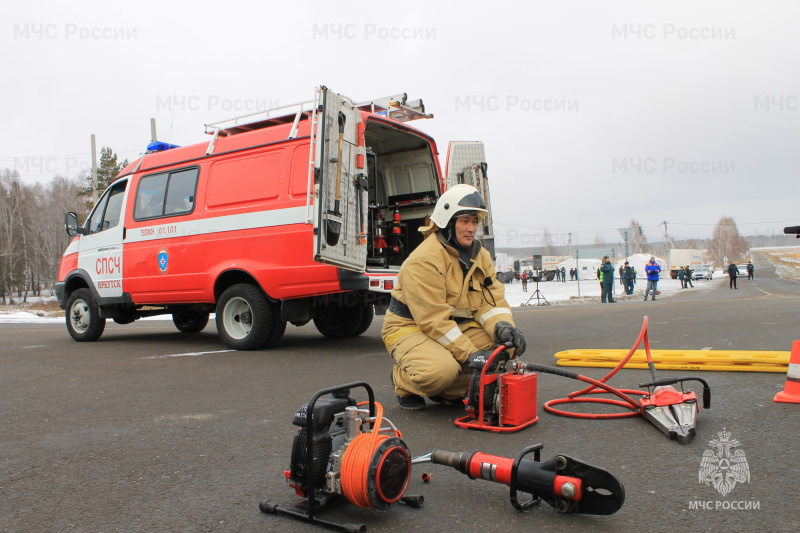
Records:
x=341, y=204
x=466, y=163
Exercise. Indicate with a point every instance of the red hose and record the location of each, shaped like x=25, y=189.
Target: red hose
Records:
x=600, y=387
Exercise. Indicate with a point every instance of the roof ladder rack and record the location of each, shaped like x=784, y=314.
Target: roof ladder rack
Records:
x=262, y=119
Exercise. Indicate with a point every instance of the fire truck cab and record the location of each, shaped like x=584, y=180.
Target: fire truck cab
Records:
x=282, y=217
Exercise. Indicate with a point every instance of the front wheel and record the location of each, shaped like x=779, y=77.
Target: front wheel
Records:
x=244, y=317
x=83, y=317
x=190, y=321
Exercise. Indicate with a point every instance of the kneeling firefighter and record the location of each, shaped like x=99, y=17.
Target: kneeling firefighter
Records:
x=448, y=308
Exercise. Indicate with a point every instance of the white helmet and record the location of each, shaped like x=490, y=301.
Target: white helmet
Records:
x=461, y=198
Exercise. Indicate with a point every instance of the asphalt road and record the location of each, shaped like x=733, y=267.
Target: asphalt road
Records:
x=151, y=430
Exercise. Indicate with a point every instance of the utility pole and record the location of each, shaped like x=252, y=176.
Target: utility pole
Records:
x=666, y=239
x=94, y=171
x=569, y=245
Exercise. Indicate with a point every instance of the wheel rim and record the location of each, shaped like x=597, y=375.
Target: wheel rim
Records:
x=79, y=316
x=238, y=318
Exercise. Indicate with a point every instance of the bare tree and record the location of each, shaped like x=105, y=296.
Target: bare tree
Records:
x=637, y=240
x=12, y=251
x=547, y=242
x=32, y=236
x=726, y=242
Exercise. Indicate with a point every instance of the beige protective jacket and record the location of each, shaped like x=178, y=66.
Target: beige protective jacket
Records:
x=432, y=284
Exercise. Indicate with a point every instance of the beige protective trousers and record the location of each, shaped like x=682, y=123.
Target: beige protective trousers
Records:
x=426, y=368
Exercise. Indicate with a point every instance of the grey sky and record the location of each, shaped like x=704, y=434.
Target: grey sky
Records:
x=593, y=113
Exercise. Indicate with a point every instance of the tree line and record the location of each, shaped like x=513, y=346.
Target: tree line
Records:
x=725, y=242
x=32, y=236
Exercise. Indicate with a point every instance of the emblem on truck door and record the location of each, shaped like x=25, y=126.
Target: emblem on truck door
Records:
x=163, y=260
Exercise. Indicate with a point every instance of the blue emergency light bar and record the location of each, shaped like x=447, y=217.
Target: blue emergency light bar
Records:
x=159, y=146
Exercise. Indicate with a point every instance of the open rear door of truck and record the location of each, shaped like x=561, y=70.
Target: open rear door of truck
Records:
x=466, y=163
x=340, y=176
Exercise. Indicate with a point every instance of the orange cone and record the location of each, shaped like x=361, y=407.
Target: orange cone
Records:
x=791, y=392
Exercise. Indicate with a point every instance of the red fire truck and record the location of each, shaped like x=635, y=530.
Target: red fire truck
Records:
x=282, y=217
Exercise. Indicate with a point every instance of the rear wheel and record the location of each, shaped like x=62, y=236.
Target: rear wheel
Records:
x=339, y=322
x=190, y=321
x=244, y=317
x=366, y=320
x=83, y=317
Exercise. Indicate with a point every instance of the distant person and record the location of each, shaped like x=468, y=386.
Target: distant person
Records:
x=621, y=274
x=750, y=270
x=682, y=277
x=733, y=271
x=652, y=270
x=628, y=275
x=607, y=281
x=524, y=279
x=558, y=274
x=689, y=277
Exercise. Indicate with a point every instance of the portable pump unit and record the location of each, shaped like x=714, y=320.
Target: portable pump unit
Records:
x=501, y=396
x=345, y=448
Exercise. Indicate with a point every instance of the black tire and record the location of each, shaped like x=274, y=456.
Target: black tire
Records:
x=339, y=322
x=83, y=317
x=366, y=320
x=278, y=327
x=190, y=321
x=244, y=317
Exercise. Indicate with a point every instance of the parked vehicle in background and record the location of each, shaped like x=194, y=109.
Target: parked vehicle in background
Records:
x=506, y=277
x=741, y=269
x=703, y=272
x=677, y=258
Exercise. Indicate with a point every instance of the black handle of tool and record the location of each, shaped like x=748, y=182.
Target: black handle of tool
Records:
x=553, y=370
x=671, y=381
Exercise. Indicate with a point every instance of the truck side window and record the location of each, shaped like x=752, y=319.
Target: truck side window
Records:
x=164, y=194
x=108, y=210
x=180, y=191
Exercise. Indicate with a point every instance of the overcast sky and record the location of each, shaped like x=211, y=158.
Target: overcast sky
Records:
x=593, y=113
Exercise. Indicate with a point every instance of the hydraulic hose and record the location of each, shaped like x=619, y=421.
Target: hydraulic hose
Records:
x=600, y=386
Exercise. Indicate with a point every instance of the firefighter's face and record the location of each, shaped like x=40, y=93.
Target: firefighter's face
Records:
x=466, y=226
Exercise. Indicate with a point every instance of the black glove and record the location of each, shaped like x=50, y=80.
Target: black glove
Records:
x=505, y=332
x=477, y=360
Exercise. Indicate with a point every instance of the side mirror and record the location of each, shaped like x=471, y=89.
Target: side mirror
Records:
x=71, y=225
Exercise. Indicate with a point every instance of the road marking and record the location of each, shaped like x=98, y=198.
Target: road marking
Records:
x=187, y=354
x=175, y=418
